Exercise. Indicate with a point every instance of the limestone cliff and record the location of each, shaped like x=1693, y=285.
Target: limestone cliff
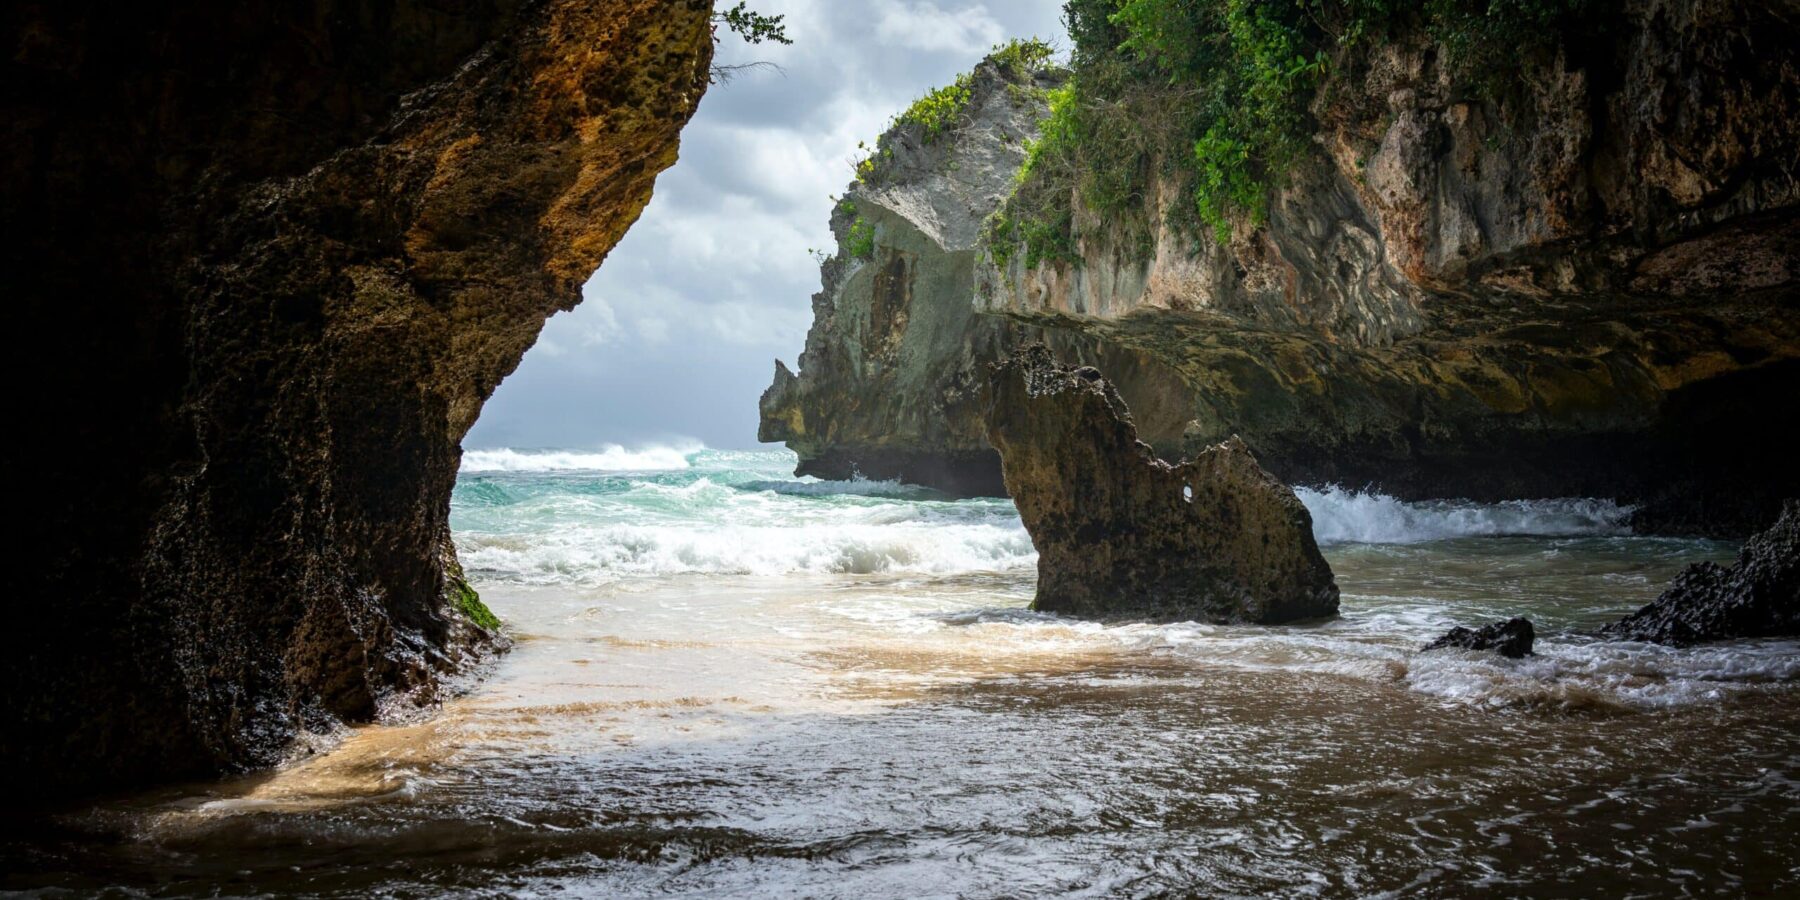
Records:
x=1586, y=281
x=1574, y=273
x=895, y=351
x=269, y=259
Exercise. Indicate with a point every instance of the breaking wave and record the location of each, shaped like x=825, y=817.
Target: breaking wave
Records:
x=1342, y=516
x=589, y=555
x=541, y=516
x=715, y=513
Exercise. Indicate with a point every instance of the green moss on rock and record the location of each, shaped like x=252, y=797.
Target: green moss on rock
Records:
x=470, y=603
x=462, y=596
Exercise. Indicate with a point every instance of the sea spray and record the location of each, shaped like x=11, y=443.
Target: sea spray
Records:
x=1365, y=517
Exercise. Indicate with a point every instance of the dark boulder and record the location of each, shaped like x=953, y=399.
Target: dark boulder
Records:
x=1122, y=534
x=1512, y=638
x=1757, y=597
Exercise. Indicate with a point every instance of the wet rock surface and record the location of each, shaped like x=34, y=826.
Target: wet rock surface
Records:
x=1758, y=596
x=277, y=256
x=1512, y=638
x=1122, y=534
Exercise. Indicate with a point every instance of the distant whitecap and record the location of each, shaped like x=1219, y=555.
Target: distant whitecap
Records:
x=609, y=458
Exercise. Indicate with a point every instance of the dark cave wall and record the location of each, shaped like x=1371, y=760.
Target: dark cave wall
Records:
x=270, y=259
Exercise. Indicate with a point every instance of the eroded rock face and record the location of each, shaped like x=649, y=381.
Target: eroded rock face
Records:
x=1122, y=534
x=1759, y=596
x=896, y=353
x=272, y=259
x=1512, y=638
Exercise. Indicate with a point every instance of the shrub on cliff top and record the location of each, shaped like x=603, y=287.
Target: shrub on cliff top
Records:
x=1022, y=58
x=941, y=109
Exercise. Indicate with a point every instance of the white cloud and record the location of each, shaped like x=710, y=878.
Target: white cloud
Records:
x=930, y=27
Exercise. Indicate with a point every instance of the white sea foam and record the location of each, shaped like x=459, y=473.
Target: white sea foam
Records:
x=593, y=554
x=1586, y=673
x=860, y=487
x=738, y=513
x=1567, y=673
x=609, y=458
x=1347, y=516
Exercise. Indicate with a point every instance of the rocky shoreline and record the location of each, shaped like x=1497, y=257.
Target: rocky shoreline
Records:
x=276, y=257
x=1757, y=597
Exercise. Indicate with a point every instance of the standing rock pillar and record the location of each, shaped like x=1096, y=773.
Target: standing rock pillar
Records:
x=1122, y=534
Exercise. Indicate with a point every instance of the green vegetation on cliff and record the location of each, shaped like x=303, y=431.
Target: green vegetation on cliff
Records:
x=860, y=242
x=1218, y=96
x=941, y=109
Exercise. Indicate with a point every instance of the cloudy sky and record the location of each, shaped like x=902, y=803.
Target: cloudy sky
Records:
x=679, y=330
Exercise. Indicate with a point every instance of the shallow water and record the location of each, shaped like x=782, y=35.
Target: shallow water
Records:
x=729, y=682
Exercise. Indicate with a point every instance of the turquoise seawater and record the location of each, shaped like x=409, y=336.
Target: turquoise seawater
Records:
x=528, y=519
